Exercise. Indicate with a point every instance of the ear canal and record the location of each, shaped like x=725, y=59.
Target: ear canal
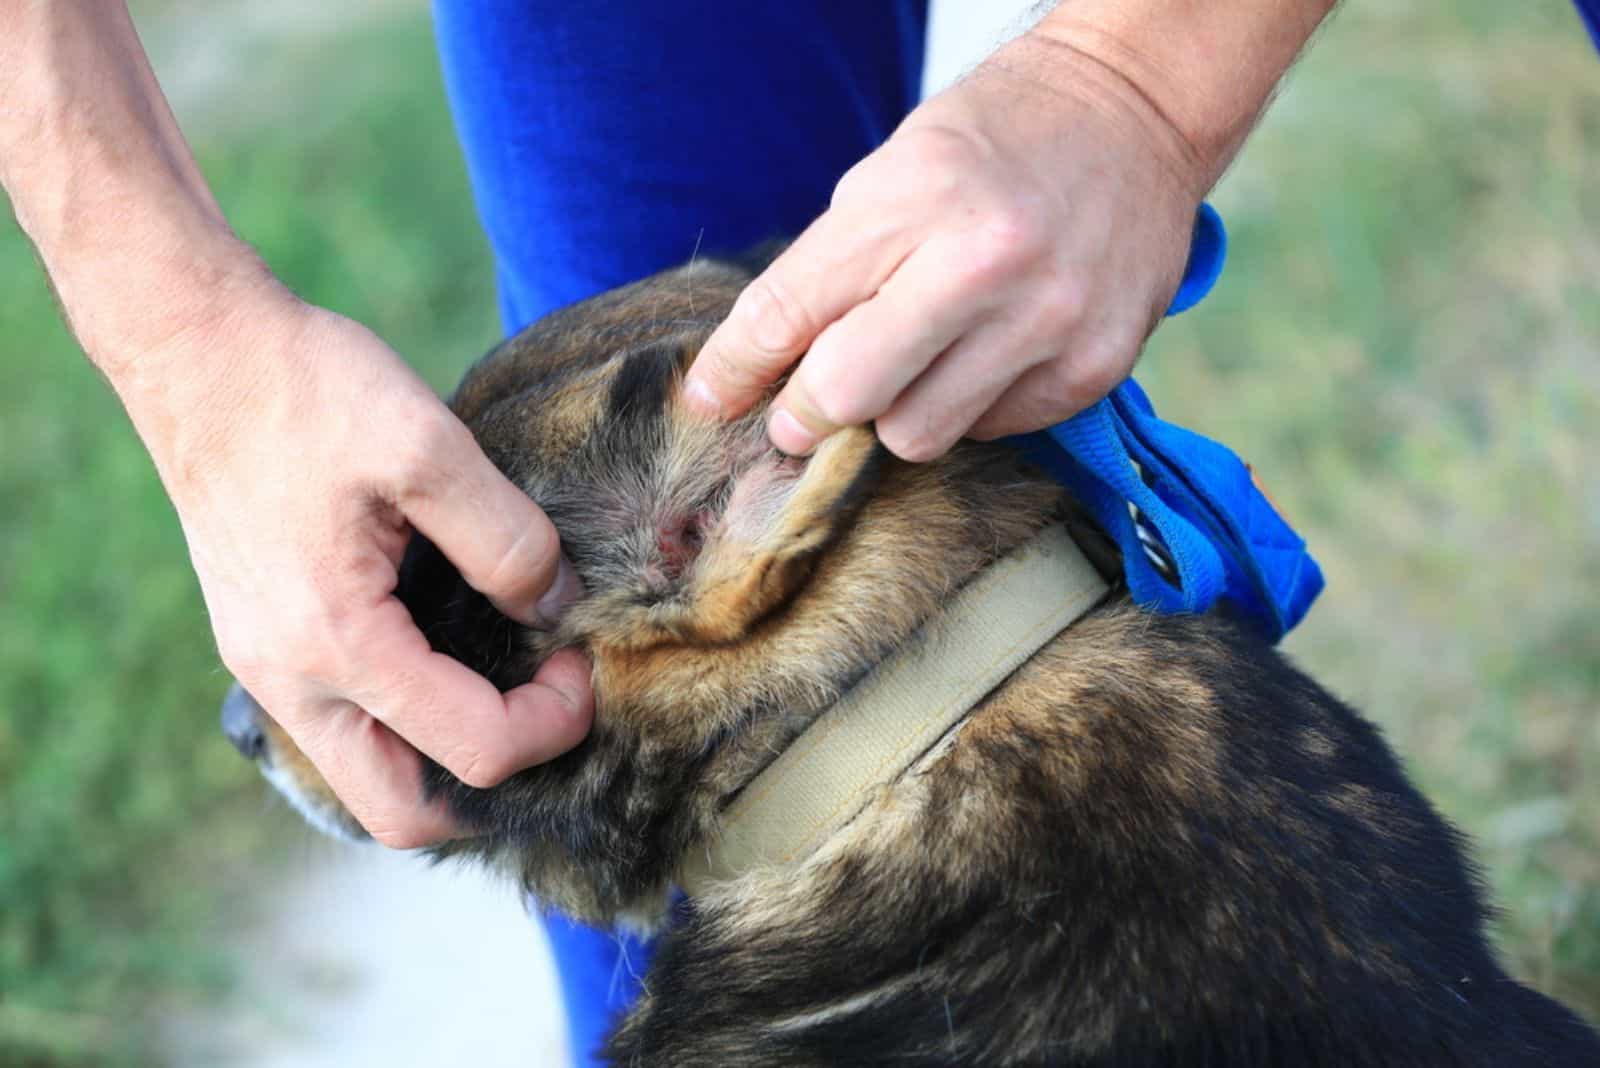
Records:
x=679, y=539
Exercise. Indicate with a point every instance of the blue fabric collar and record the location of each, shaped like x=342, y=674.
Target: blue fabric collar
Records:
x=1194, y=530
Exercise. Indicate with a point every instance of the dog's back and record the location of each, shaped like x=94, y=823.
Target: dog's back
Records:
x=1159, y=844
x=1155, y=844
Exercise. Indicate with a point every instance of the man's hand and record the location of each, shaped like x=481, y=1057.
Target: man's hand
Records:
x=306, y=454
x=300, y=451
x=992, y=269
x=999, y=263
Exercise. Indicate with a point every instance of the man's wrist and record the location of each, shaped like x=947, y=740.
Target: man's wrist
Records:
x=1075, y=76
x=132, y=295
x=1208, y=67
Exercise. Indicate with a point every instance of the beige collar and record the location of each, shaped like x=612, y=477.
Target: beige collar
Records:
x=901, y=709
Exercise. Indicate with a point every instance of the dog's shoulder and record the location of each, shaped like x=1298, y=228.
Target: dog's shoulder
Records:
x=1158, y=843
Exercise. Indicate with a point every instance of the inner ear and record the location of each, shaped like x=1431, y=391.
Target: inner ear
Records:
x=679, y=538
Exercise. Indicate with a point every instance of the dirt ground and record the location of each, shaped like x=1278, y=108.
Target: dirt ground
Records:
x=369, y=957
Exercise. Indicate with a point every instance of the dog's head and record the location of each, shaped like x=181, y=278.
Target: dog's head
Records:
x=732, y=593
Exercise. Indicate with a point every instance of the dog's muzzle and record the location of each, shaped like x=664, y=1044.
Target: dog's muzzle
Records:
x=241, y=722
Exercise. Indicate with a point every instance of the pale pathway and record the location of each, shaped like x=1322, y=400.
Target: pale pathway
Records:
x=373, y=958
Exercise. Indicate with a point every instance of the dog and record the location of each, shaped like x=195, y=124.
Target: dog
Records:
x=1154, y=843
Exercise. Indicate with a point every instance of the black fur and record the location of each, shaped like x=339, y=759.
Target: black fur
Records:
x=1136, y=930
x=642, y=385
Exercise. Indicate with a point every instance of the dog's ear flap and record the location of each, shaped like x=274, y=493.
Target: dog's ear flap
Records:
x=768, y=540
x=713, y=574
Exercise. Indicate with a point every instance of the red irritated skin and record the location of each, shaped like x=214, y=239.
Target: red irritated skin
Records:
x=678, y=541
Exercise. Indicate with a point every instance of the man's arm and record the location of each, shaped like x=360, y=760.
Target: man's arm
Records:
x=998, y=264
x=1208, y=67
x=297, y=448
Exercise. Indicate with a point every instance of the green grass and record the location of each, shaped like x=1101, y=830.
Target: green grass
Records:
x=1404, y=345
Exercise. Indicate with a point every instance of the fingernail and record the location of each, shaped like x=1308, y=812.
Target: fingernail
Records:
x=701, y=401
x=566, y=589
x=790, y=434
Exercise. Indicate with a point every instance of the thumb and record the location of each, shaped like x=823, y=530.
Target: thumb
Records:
x=763, y=336
x=503, y=545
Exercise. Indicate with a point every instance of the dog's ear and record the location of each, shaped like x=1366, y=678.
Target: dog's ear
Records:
x=684, y=530
x=717, y=563
x=770, y=539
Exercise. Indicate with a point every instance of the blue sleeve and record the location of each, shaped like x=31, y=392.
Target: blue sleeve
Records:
x=608, y=141
x=1589, y=11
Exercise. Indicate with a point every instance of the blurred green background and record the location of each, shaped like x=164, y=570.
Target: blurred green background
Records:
x=1405, y=344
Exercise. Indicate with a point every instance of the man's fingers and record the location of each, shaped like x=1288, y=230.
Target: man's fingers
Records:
x=375, y=774
x=460, y=720
x=365, y=741
x=859, y=366
x=1055, y=390
x=503, y=545
x=964, y=383
x=836, y=264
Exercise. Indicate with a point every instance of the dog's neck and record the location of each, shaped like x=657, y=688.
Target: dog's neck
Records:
x=682, y=729
x=901, y=710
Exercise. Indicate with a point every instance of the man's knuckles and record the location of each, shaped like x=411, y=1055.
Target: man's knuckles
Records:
x=426, y=458
x=1001, y=247
x=774, y=321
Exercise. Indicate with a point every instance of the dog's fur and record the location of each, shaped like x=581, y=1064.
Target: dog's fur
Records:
x=1156, y=844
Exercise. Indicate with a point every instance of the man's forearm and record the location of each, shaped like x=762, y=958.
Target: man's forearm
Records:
x=1208, y=66
x=101, y=180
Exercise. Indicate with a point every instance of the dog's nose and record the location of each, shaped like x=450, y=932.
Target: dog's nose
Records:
x=241, y=722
